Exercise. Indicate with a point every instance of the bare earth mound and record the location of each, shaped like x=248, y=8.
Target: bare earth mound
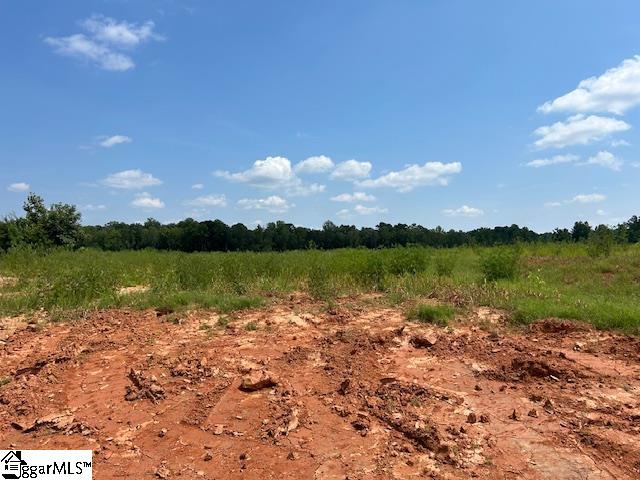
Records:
x=305, y=394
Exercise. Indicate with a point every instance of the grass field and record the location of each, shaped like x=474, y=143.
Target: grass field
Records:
x=530, y=281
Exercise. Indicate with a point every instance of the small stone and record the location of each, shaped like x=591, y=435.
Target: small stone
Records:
x=162, y=432
x=218, y=429
x=478, y=387
x=293, y=456
x=243, y=456
x=533, y=413
x=548, y=406
x=257, y=381
x=207, y=456
x=471, y=418
x=514, y=415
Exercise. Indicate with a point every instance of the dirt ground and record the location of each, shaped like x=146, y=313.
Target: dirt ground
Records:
x=295, y=392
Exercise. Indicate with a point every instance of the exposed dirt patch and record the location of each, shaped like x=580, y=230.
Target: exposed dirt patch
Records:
x=353, y=393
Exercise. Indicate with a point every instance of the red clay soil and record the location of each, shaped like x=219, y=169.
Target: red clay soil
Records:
x=355, y=393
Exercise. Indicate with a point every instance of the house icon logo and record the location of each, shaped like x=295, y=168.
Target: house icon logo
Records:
x=11, y=464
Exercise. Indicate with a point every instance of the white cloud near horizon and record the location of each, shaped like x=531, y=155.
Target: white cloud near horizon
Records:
x=615, y=91
x=146, y=201
x=605, y=159
x=353, y=197
x=208, y=201
x=130, y=179
x=463, y=211
x=413, y=176
x=555, y=160
x=113, y=140
x=18, y=187
x=273, y=173
x=351, y=170
x=92, y=208
x=588, y=198
x=106, y=36
x=317, y=164
x=578, y=130
x=362, y=210
x=273, y=204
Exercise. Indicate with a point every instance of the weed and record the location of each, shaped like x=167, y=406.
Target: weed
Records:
x=251, y=326
x=499, y=263
x=436, y=314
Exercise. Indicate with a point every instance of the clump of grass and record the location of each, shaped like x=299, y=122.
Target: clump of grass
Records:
x=251, y=326
x=445, y=264
x=435, y=314
x=319, y=285
x=500, y=263
x=223, y=321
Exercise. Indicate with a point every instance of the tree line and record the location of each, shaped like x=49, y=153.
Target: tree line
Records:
x=59, y=225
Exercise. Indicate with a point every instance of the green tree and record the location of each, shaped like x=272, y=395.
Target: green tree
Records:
x=58, y=225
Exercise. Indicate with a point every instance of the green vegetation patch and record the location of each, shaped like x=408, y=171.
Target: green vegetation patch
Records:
x=435, y=314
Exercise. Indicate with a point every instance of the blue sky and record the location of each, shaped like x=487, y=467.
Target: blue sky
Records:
x=452, y=113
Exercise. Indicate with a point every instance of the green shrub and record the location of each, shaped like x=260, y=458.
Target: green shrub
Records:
x=500, y=263
x=436, y=314
x=406, y=260
x=600, y=242
x=318, y=284
x=371, y=271
x=444, y=264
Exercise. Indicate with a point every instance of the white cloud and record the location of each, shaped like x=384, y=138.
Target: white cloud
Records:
x=273, y=173
x=318, y=164
x=130, y=179
x=18, y=187
x=578, y=130
x=208, y=201
x=106, y=37
x=588, y=198
x=113, y=140
x=463, y=211
x=145, y=200
x=601, y=212
x=553, y=204
x=270, y=172
x=344, y=213
x=273, y=204
x=351, y=170
x=362, y=210
x=353, y=197
x=431, y=173
x=92, y=208
x=605, y=159
x=544, y=162
x=197, y=186
x=615, y=91
x=79, y=46
x=120, y=33
x=620, y=143
x=635, y=164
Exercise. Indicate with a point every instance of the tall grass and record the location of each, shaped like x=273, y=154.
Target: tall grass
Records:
x=538, y=281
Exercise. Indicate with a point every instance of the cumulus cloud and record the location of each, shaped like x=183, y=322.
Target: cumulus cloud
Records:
x=588, y=198
x=273, y=172
x=273, y=204
x=114, y=140
x=317, y=164
x=145, y=200
x=463, y=211
x=558, y=159
x=578, y=130
x=130, y=179
x=121, y=33
x=580, y=198
x=362, y=210
x=605, y=159
x=104, y=42
x=18, y=187
x=92, y=208
x=431, y=173
x=615, y=91
x=208, y=201
x=353, y=197
x=351, y=170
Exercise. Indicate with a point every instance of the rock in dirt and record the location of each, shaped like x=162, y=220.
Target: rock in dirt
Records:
x=257, y=381
x=471, y=418
x=514, y=415
x=143, y=387
x=424, y=340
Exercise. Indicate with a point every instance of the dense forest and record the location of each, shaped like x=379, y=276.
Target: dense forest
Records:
x=59, y=225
